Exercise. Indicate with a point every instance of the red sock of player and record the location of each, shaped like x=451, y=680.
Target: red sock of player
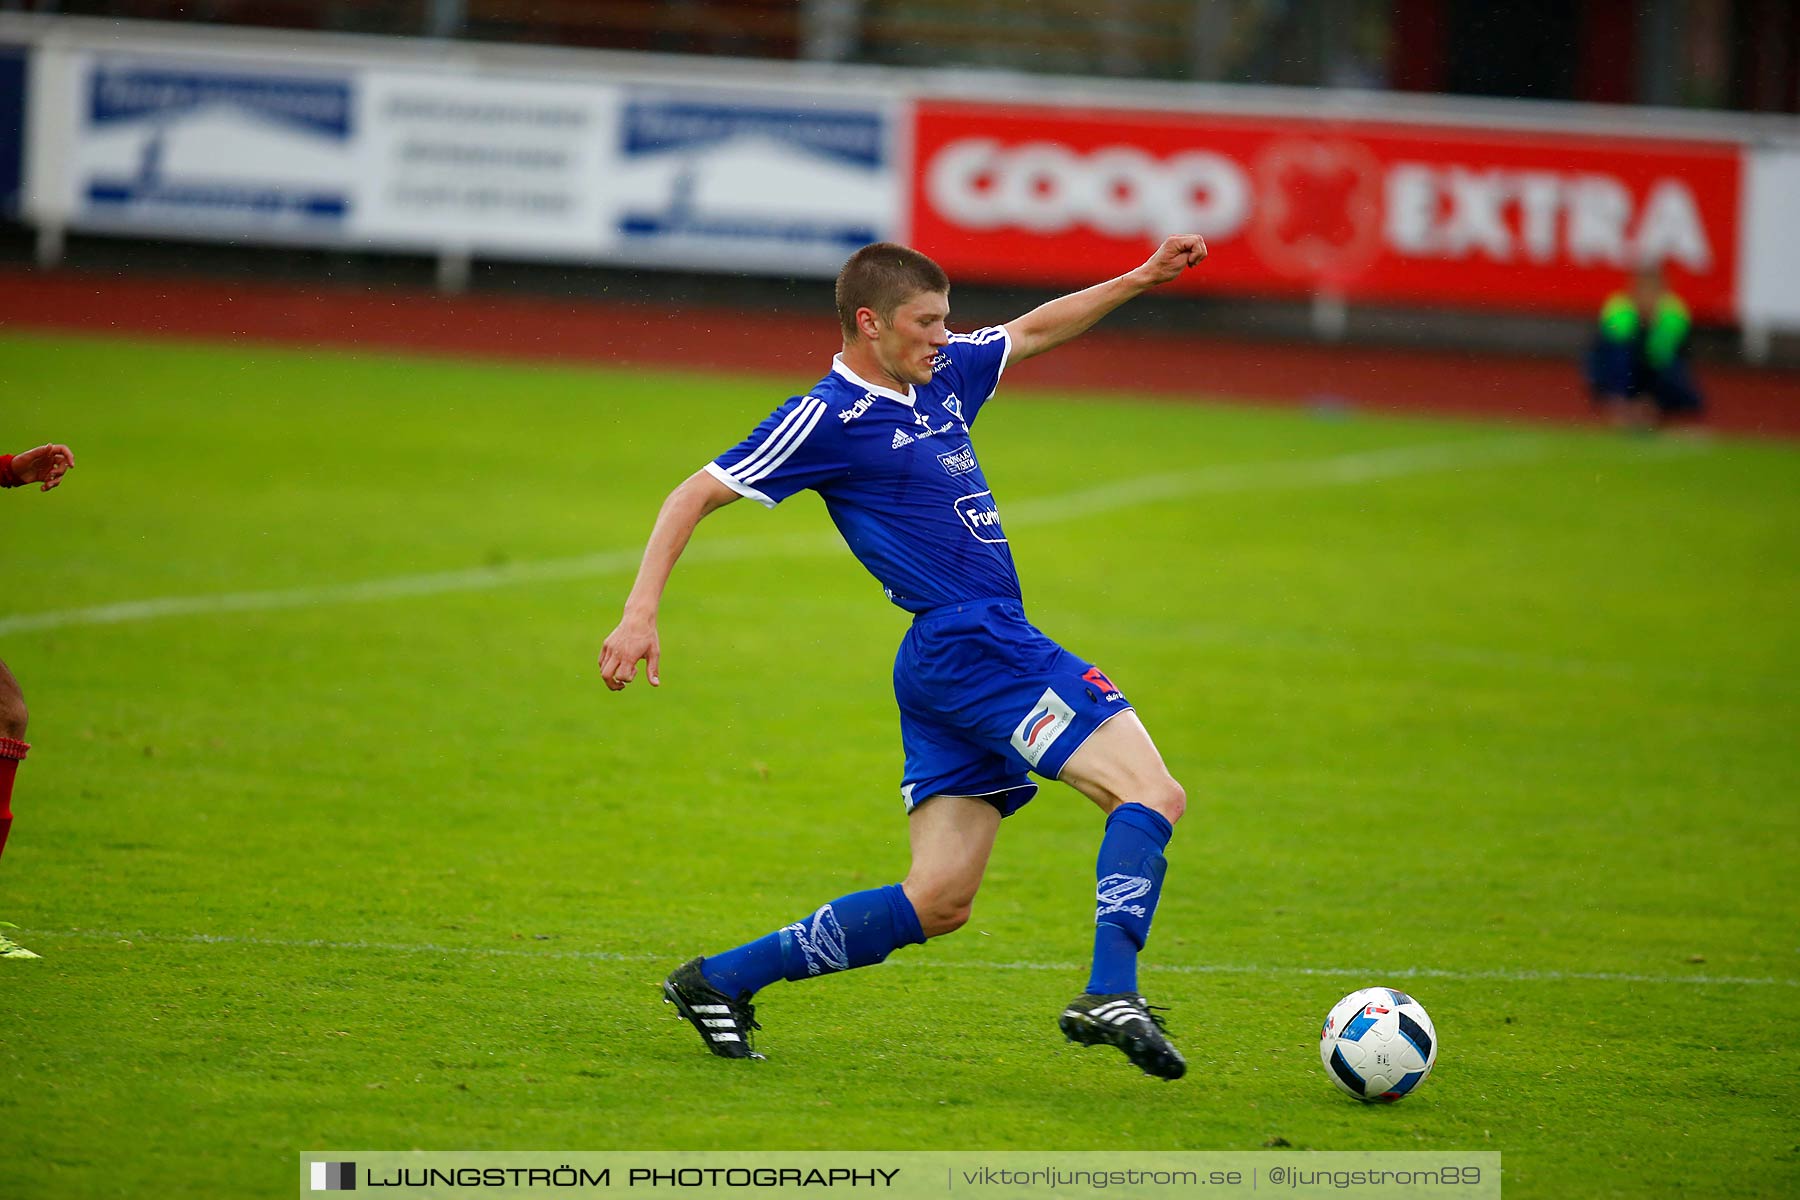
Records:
x=11, y=751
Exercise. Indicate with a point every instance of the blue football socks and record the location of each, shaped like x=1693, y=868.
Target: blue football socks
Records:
x=1130, y=872
x=857, y=930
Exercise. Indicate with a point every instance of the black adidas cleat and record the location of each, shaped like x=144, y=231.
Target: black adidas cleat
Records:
x=724, y=1023
x=1129, y=1022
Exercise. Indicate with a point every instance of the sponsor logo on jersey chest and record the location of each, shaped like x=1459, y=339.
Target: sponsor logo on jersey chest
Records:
x=981, y=517
x=959, y=462
x=925, y=428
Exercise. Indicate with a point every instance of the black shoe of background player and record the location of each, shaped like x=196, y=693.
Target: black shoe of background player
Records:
x=724, y=1024
x=1125, y=1020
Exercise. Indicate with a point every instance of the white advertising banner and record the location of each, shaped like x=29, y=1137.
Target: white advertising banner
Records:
x=752, y=180
x=479, y=163
x=1769, y=266
x=227, y=149
x=445, y=158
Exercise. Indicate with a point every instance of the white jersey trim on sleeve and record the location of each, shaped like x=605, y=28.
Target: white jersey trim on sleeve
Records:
x=742, y=489
x=982, y=337
x=781, y=443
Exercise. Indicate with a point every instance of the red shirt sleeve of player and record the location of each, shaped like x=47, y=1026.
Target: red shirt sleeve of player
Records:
x=7, y=478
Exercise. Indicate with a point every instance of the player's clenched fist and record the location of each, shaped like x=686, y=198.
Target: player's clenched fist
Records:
x=1174, y=256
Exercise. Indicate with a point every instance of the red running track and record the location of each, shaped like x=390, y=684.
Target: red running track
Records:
x=1740, y=399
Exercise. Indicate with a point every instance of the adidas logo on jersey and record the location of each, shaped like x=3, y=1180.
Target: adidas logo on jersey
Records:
x=901, y=438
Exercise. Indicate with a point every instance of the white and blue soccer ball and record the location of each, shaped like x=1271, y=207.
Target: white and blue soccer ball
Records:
x=1378, y=1044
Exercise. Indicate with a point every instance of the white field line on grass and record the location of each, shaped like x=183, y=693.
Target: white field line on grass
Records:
x=1378, y=976
x=1367, y=466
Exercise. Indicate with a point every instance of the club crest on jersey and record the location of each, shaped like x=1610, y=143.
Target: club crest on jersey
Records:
x=847, y=415
x=901, y=438
x=981, y=516
x=959, y=462
x=953, y=406
x=1042, y=726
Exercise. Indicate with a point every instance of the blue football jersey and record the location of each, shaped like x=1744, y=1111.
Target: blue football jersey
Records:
x=898, y=473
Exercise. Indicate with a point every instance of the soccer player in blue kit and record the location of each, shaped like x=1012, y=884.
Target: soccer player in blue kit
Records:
x=985, y=698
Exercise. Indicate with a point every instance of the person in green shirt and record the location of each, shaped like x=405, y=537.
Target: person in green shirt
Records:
x=1638, y=367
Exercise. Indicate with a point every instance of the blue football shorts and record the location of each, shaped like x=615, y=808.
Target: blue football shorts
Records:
x=986, y=700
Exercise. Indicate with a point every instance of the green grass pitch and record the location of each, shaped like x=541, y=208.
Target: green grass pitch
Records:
x=347, y=847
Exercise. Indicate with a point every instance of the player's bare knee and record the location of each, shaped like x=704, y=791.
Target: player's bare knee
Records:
x=941, y=909
x=945, y=918
x=1168, y=799
x=13, y=714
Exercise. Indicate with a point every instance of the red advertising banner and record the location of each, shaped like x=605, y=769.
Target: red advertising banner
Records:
x=1533, y=221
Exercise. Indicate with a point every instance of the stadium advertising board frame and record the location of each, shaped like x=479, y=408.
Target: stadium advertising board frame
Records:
x=1367, y=211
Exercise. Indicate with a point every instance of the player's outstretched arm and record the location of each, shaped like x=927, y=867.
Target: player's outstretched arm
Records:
x=44, y=465
x=634, y=639
x=1050, y=325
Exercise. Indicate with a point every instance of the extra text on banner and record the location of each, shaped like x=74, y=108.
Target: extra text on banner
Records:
x=1531, y=221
